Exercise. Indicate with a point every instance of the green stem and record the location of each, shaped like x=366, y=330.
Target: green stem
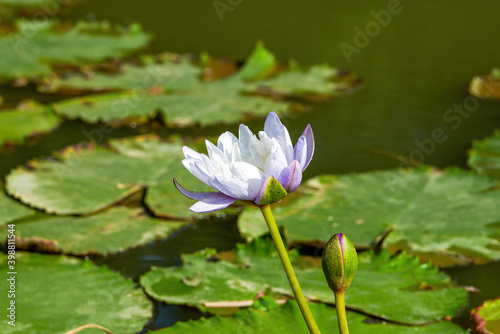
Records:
x=341, y=315
x=290, y=273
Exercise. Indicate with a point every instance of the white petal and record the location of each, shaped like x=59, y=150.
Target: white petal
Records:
x=233, y=187
x=212, y=204
x=245, y=135
x=215, y=153
x=190, y=165
x=248, y=173
x=275, y=129
x=226, y=142
x=189, y=153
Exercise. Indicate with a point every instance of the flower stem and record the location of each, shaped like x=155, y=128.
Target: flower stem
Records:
x=341, y=315
x=290, y=273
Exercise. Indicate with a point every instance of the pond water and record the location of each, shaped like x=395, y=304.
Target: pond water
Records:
x=415, y=62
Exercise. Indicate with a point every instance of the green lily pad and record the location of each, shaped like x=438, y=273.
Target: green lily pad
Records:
x=450, y=211
x=484, y=157
x=27, y=120
x=213, y=103
x=253, y=90
x=114, y=230
x=396, y=288
x=10, y=210
x=54, y=294
x=316, y=80
x=266, y=316
x=487, y=317
x=30, y=51
x=169, y=71
x=85, y=180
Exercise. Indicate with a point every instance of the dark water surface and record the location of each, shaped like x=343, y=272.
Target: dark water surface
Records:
x=416, y=68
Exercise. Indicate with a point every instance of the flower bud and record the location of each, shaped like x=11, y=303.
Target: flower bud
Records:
x=340, y=262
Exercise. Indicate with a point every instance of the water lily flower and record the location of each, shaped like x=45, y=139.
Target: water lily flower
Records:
x=259, y=170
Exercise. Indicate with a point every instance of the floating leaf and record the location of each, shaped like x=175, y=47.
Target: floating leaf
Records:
x=54, y=294
x=25, y=121
x=10, y=210
x=212, y=103
x=396, y=288
x=171, y=72
x=252, y=90
x=484, y=157
x=453, y=211
x=112, y=231
x=487, y=317
x=316, y=80
x=84, y=180
x=36, y=45
x=266, y=316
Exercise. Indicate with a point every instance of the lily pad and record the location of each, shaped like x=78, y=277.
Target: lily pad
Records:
x=27, y=120
x=169, y=71
x=255, y=89
x=114, y=230
x=484, y=157
x=36, y=45
x=10, y=210
x=54, y=294
x=266, y=316
x=396, y=288
x=487, y=317
x=451, y=211
x=214, y=103
x=83, y=180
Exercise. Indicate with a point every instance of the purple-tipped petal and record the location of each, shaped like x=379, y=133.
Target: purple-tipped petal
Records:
x=212, y=204
x=304, y=149
x=291, y=176
x=275, y=129
x=207, y=201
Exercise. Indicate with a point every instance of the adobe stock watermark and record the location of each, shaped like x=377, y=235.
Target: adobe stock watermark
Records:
x=11, y=274
x=425, y=147
x=372, y=29
x=223, y=6
x=47, y=11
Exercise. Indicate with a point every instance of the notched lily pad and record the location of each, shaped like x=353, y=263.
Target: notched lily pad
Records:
x=114, y=230
x=266, y=316
x=487, y=317
x=27, y=120
x=258, y=87
x=84, y=180
x=396, y=288
x=484, y=157
x=36, y=46
x=55, y=294
x=428, y=211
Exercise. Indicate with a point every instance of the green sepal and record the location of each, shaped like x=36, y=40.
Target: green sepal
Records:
x=271, y=192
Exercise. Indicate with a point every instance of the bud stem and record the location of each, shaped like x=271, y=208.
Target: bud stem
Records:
x=341, y=315
x=290, y=273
